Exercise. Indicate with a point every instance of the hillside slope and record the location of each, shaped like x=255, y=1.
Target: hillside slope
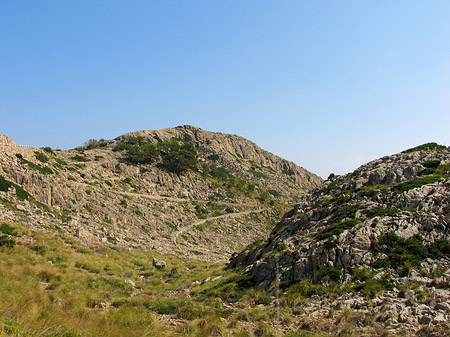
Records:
x=95, y=194
x=384, y=227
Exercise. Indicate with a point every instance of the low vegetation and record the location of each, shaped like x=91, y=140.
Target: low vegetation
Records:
x=407, y=253
x=41, y=169
x=427, y=147
x=175, y=155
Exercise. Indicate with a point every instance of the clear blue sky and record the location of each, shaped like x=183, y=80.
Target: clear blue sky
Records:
x=327, y=84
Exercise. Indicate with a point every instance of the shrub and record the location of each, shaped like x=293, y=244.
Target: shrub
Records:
x=407, y=253
x=348, y=211
x=372, y=287
x=328, y=274
x=5, y=241
x=43, y=170
x=139, y=150
x=6, y=229
x=432, y=163
x=416, y=183
x=336, y=228
x=48, y=149
x=363, y=274
x=306, y=288
x=380, y=211
x=258, y=174
x=176, y=157
x=427, y=147
x=274, y=193
x=213, y=157
x=20, y=192
x=333, y=185
x=41, y=157
x=79, y=158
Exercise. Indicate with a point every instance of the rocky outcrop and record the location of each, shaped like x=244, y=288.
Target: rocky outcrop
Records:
x=342, y=224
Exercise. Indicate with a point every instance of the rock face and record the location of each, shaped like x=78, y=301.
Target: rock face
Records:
x=93, y=194
x=344, y=224
x=240, y=156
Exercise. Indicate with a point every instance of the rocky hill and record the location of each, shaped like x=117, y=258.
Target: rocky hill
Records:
x=382, y=230
x=233, y=188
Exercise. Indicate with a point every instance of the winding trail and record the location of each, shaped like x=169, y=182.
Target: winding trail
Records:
x=177, y=233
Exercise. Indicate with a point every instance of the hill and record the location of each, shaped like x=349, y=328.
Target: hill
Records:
x=379, y=234
x=113, y=192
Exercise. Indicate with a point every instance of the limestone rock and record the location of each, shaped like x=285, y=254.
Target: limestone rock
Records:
x=159, y=264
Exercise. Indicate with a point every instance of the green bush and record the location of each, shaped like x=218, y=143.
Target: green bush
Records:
x=328, y=274
x=416, y=183
x=258, y=174
x=43, y=170
x=432, y=163
x=139, y=150
x=20, y=192
x=176, y=157
x=407, y=253
x=347, y=211
x=213, y=157
x=332, y=186
x=79, y=158
x=274, y=193
x=372, y=287
x=5, y=241
x=336, y=228
x=6, y=229
x=306, y=288
x=427, y=147
x=380, y=211
x=41, y=157
x=48, y=149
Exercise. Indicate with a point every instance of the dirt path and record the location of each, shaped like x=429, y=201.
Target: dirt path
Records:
x=176, y=234
x=174, y=199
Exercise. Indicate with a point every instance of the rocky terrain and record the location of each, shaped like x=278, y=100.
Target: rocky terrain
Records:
x=95, y=194
x=381, y=233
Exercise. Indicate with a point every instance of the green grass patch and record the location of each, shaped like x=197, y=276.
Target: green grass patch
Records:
x=43, y=170
x=336, y=229
x=258, y=174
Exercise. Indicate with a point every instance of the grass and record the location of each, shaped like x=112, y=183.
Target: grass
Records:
x=20, y=193
x=64, y=298
x=41, y=169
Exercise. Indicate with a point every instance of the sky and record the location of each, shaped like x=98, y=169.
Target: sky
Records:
x=329, y=85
